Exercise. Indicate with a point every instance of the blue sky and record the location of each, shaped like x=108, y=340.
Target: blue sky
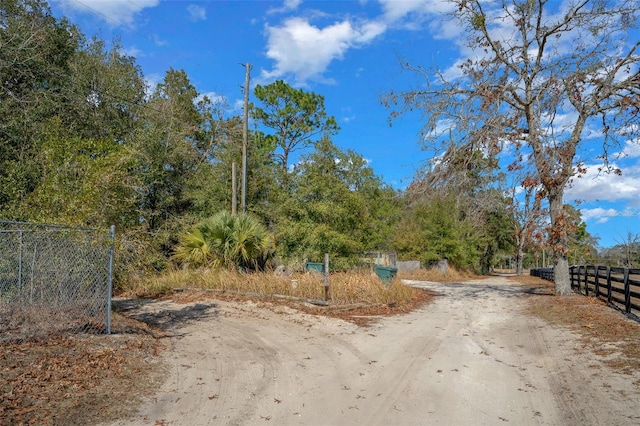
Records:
x=347, y=51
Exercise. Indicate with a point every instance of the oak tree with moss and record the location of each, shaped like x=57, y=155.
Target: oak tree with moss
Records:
x=541, y=76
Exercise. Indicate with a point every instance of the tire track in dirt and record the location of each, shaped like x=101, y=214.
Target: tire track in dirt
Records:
x=465, y=375
x=471, y=357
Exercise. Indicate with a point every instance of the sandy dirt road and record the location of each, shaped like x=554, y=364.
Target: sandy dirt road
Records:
x=470, y=358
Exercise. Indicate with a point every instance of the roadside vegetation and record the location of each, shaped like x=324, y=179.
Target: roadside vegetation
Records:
x=344, y=287
x=84, y=142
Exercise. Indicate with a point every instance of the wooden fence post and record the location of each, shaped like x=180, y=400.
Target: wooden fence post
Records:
x=629, y=281
x=627, y=292
x=572, y=271
x=326, y=277
x=586, y=280
x=579, y=279
x=609, y=295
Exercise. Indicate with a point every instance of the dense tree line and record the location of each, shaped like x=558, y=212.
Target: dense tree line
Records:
x=83, y=141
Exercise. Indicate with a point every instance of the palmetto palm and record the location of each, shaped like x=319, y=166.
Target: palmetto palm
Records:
x=194, y=249
x=227, y=241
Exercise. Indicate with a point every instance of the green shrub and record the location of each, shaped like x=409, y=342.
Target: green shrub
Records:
x=224, y=240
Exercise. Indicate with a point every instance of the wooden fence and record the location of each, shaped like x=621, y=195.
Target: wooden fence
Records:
x=544, y=273
x=620, y=287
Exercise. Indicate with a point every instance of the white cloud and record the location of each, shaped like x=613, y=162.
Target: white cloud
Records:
x=442, y=127
x=606, y=186
x=446, y=29
x=133, y=51
x=114, y=12
x=454, y=71
x=197, y=13
x=292, y=4
x=215, y=98
x=600, y=215
x=152, y=80
x=395, y=10
x=238, y=105
x=630, y=150
x=306, y=51
x=412, y=14
x=158, y=41
x=287, y=6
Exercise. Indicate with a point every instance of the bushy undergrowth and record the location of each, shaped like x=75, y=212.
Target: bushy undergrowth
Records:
x=344, y=287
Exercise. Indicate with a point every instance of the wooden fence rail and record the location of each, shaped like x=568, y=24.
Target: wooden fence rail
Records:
x=544, y=273
x=620, y=287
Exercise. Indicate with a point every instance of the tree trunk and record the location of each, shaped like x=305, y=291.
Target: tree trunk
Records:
x=519, y=257
x=519, y=251
x=558, y=240
x=561, y=276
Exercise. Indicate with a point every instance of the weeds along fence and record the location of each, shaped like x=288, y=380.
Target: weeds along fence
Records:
x=620, y=287
x=54, y=279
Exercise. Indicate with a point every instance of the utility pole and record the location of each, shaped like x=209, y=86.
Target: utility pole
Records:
x=245, y=136
x=234, y=190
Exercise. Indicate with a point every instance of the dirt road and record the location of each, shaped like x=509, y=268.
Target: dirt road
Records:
x=470, y=358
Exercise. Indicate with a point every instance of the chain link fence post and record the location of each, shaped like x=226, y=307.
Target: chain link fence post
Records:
x=112, y=237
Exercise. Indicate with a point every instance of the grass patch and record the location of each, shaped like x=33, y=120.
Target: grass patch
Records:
x=344, y=288
x=358, y=297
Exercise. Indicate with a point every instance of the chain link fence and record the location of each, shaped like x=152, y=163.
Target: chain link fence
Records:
x=54, y=280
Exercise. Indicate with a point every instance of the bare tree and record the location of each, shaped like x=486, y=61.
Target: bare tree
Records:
x=540, y=77
x=630, y=247
x=472, y=177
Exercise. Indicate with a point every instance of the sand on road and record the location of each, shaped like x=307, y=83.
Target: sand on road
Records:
x=473, y=357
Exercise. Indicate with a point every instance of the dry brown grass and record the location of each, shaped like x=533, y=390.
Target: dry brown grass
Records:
x=606, y=331
x=344, y=288
x=359, y=297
